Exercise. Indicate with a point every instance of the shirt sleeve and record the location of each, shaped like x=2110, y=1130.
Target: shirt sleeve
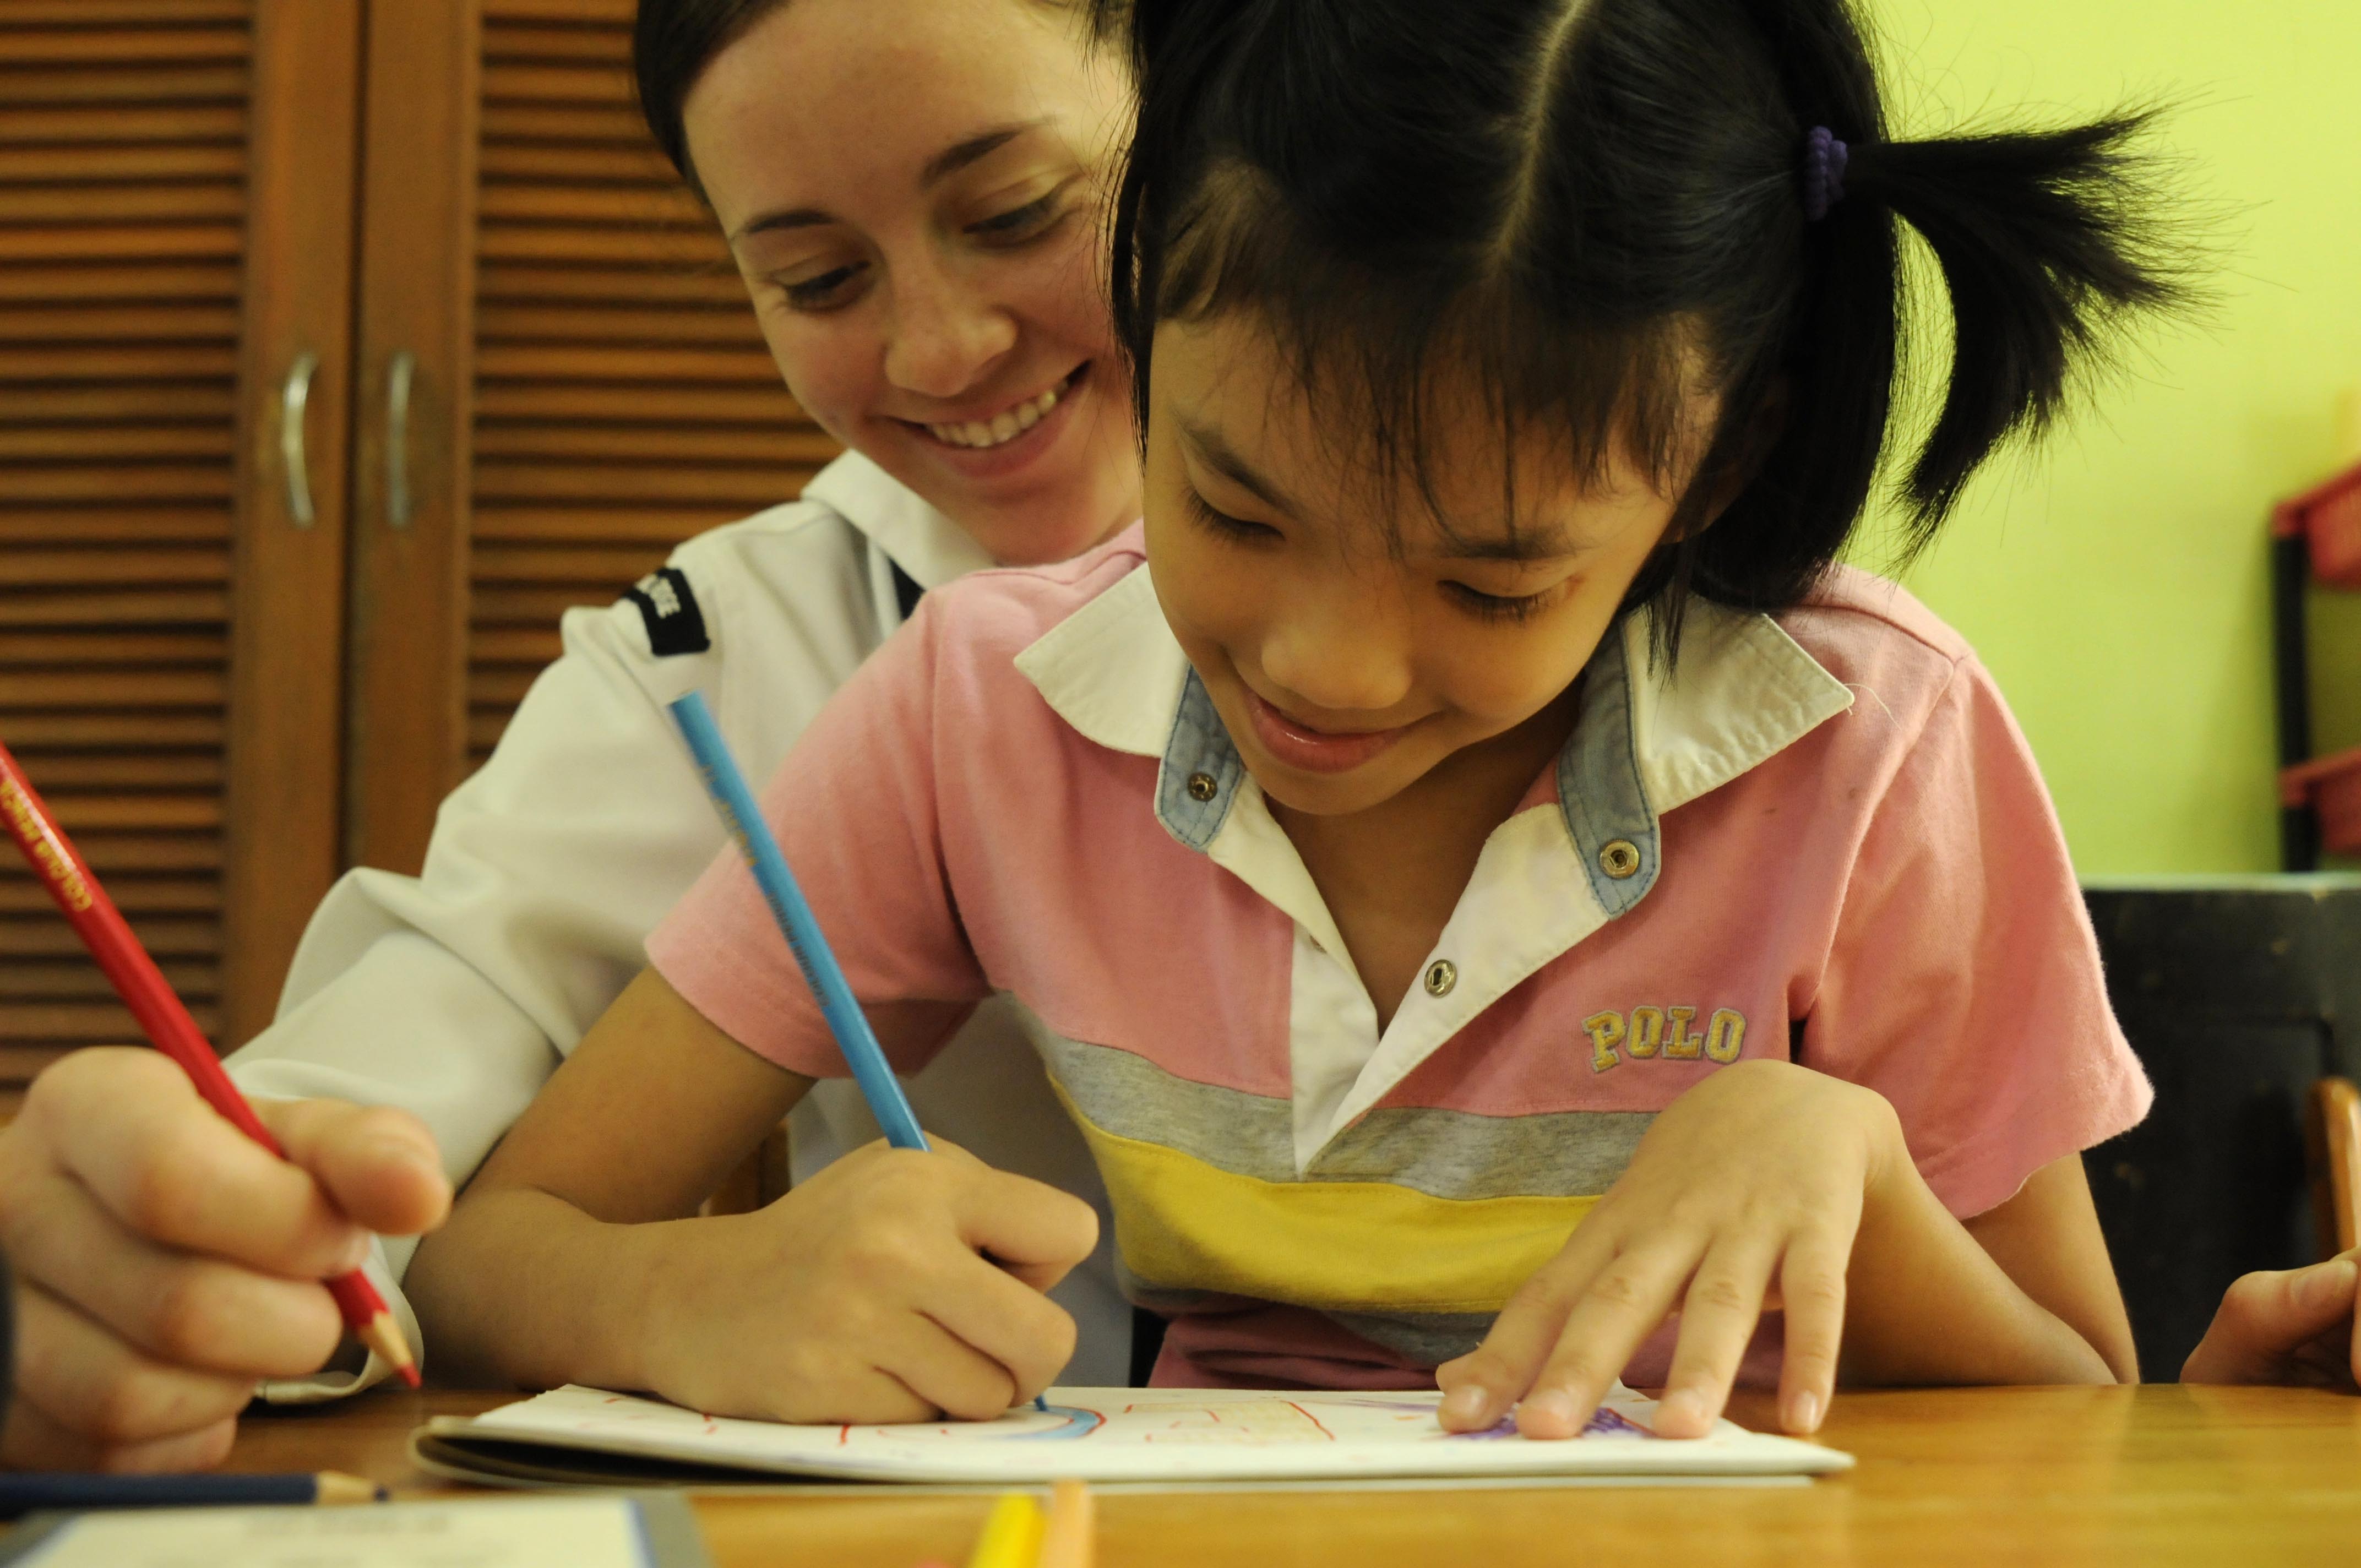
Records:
x=855, y=807
x=1963, y=981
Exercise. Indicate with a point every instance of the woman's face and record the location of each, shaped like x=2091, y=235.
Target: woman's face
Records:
x=913, y=190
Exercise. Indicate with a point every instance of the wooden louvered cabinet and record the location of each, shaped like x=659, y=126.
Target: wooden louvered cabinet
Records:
x=528, y=371
x=621, y=396
x=175, y=227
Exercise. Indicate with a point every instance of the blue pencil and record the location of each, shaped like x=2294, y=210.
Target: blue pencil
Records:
x=752, y=834
x=754, y=840
x=25, y=1493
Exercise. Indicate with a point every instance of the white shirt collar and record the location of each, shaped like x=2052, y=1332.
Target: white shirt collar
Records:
x=1644, y=741
x=921, y=540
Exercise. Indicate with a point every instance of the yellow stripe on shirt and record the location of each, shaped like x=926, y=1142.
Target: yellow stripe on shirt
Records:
x=1184, y=1224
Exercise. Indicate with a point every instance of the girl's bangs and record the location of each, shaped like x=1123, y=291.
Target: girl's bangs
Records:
x=1398, y=345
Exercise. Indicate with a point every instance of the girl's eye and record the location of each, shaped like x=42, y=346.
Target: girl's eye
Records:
x=821, y=292
x=1018, y=223
x=1237, y=530
x=1499, y=607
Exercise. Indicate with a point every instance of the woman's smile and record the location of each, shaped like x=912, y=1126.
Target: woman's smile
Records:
x=995, y=443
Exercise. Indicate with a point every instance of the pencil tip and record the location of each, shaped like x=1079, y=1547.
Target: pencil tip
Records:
x=334, y=1487
x=384, y=1337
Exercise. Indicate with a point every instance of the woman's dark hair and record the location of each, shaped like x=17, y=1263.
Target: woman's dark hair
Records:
x=1588, y=209
x=672, y=43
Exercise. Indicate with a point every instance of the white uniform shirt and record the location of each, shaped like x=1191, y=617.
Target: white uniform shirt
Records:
x=454, y=994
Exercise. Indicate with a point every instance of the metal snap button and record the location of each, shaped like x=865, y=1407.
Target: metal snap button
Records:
x=1202, y=787
x=1619, y=858
x=1440, y=976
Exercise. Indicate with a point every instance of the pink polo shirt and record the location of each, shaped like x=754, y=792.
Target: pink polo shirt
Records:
x=1820, y=837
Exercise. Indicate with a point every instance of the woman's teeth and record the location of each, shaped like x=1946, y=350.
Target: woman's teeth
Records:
x=1004, y=426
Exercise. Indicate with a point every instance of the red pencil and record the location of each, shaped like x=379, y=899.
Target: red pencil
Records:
x=142, y=987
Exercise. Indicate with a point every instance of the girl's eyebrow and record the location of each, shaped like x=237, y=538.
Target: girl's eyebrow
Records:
x=941, y=167
x=1220, y=456
x=1537, y=544
x=1549, y=545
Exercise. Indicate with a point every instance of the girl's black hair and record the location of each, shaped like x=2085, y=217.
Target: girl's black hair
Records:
x=1585, y=210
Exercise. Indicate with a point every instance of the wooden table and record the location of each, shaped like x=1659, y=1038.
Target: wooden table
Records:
x=1991, y=1478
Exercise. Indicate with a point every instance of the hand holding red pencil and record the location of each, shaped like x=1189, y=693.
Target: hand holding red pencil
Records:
x=161, y=1253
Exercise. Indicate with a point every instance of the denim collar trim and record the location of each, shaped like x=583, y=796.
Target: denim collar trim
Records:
x=1645, y=740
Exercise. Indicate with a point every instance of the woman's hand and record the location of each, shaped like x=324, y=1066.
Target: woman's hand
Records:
x=1745, y=1194
x=895, y=1286
x=165, y=1262
x=2296, y=1328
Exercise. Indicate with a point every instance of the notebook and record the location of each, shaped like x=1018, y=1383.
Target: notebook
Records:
x=1115, y=1435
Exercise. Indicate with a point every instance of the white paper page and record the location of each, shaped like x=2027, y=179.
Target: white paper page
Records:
x=1160, y=1434
x=560, y=1532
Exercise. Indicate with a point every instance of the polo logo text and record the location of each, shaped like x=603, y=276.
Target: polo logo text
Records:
x=1666, y=1032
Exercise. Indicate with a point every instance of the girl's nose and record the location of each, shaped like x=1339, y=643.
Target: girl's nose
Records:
x=944, y=335
x=1342, y=653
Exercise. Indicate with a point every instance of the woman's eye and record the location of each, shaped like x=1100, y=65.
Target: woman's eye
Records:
x=1498, y=606
x=1018, y=223
x=1235, y=529
x=819, y=293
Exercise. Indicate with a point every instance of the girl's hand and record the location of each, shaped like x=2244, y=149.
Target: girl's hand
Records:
x=2296, y=1328
x=164, y=1261
x=895, y=1286
x=1744, y=1195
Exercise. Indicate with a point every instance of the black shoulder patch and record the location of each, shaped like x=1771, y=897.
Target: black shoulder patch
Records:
x=674, y=623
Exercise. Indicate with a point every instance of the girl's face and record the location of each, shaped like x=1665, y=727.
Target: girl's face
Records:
x=913, y=191
x=1346, y=670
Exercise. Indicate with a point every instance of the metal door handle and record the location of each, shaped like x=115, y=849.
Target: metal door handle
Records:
x=397, y=377
x=294, y=397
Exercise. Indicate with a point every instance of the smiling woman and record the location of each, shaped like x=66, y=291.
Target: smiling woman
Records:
x=912, y=190
x=927, y=272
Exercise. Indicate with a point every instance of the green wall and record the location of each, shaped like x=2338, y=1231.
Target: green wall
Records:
x=2115, y=583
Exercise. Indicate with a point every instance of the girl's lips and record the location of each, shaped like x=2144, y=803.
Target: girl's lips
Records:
x=1017, y=452
x=1313, y=751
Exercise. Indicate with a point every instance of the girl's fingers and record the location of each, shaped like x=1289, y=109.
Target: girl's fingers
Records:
x=1812, y=1290
x=1718, y=1315
x=89, y=1382
x=131, y=1126
x=178, y=1307
x=1483, y=1386
x=1622, y=1305
x=379, y=1165
x=1026, y=1337
x=1028, y=1227
x=939, y=1367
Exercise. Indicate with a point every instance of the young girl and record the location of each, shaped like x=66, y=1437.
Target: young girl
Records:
x=1491, y=885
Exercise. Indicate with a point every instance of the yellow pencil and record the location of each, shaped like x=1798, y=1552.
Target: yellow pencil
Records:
x=1068, y=1539
x=1012, y=1535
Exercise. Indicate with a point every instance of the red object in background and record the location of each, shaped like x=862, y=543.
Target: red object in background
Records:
x=2330, y=786
x=2318, y=535
x=2329, y=520
x=144, y=989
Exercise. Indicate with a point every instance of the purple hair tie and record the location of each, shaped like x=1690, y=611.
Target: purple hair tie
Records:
x=1824, y=170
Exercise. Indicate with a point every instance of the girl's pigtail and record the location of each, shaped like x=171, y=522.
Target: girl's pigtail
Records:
x=2046, y=240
